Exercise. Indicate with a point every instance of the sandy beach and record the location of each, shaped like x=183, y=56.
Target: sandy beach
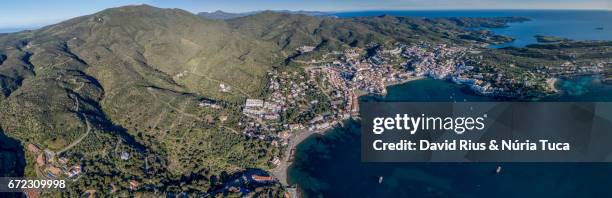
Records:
x=552, y=84
x=280, y=172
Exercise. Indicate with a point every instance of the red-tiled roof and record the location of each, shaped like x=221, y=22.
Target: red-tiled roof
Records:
x=262, y=178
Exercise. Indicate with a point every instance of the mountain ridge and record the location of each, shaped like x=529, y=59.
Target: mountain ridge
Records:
x=221, y=15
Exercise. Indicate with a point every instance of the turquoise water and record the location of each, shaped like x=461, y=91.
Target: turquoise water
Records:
x=330, y=165
x=573, y=24
x=583, y=88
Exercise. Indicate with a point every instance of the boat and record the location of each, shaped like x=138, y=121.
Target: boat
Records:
x=498, y=170
x=380, y=179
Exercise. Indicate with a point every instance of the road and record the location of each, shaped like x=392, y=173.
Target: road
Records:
x=78, y=140
x=82, y=136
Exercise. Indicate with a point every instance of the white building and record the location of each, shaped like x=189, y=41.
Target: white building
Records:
x=254, y=103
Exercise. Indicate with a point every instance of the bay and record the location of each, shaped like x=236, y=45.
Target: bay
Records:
x=572, y=24
x=330, y=165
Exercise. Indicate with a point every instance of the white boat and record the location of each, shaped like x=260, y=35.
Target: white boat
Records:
x=498, y=170
x=380, y=179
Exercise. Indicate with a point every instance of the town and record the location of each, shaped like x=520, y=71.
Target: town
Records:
x=323, y=92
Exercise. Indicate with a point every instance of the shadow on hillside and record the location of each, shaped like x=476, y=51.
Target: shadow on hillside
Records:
x=12, y=160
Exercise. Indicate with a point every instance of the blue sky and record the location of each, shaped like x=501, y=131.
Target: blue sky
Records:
x=36, y=13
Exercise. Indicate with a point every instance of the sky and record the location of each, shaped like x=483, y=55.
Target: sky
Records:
x=20, y=14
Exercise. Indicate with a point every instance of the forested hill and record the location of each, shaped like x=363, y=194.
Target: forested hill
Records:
x=130, y=79
x=289, y=31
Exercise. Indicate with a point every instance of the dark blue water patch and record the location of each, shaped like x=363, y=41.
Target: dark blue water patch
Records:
x=426, y=90
x=434, y=13
x=572, y=24
x=330, y=165
x=572, y=89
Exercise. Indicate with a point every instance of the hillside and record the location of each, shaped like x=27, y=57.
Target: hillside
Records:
x=130, y=79
x=290, y=31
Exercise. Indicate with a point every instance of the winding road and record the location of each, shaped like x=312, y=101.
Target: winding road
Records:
x=86, y=122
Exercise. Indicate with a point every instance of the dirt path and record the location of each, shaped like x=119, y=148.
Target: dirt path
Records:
x=80, y=87
x=175, y=108
x=229, y=128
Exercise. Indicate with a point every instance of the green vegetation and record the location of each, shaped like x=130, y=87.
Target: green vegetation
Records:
x=137, y=74
x=289, y=31
x=550, y=39
x=132, y=80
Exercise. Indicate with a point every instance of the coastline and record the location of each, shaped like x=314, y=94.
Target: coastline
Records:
x=552, y=84
x=280, y=171
x=321, y=179
x=388, y=84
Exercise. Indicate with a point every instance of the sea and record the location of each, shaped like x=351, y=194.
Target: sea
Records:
x=573, y=24
x=12, y=30
x=330, y=165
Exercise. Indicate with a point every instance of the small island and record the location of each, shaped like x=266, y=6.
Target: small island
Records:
x=551, y=39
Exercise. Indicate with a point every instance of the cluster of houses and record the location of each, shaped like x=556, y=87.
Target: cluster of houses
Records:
x=288, y=89
x=370, y=74
x=342, y=97
x=295, y=91
x=261, y=109
x=244, y=183
x=449, y=62
x=571, y=68
x=258, y=114
x=51, y=166
x=209, y=104
x=439, y=61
